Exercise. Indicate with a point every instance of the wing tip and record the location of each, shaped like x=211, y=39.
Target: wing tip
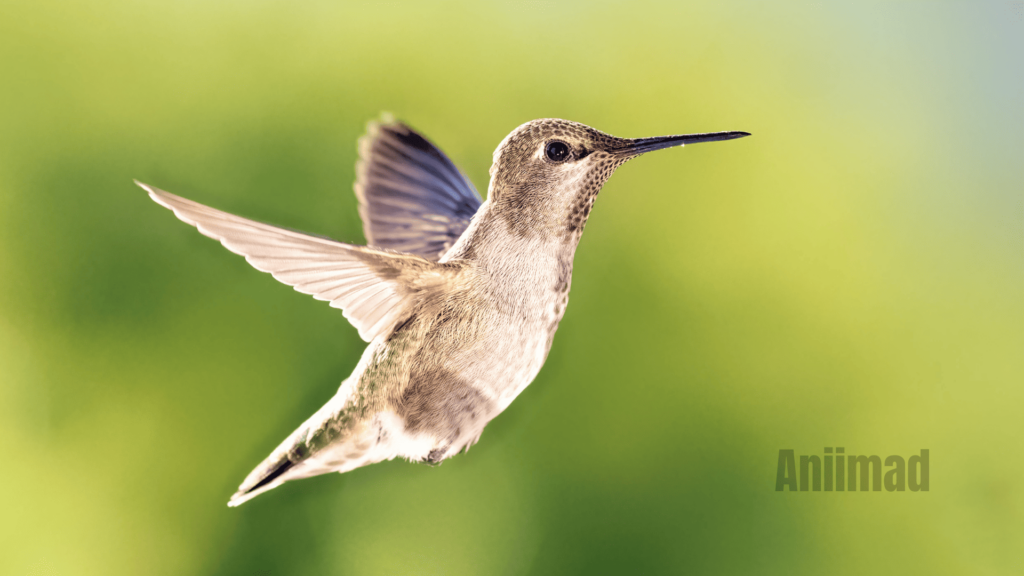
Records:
x=374, y=125
x=151, y=191
x=386, y=118
x=161, y=197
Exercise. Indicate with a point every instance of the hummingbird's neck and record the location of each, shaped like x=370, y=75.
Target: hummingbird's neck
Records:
x=499, y=244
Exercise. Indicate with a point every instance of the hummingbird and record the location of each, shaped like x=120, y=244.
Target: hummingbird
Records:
x=459, y=298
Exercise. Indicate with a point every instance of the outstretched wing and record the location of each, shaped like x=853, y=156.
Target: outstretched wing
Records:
x=374, y=289
x=412, y=198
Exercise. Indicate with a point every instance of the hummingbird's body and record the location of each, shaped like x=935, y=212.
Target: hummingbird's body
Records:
x=459, y=312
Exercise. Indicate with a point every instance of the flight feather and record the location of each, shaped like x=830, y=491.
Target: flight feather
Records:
x=412, y=198
x=375, y=289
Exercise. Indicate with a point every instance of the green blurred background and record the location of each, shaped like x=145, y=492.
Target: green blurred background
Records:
x=852, y=275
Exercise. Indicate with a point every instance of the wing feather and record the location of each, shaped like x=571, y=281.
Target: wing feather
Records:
x=412, y=198
x=374, y=288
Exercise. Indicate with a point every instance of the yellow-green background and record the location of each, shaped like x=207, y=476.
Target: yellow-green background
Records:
x=852, y=275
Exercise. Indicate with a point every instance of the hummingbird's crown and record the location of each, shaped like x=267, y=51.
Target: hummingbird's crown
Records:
x=547, y=172
x=527, y=140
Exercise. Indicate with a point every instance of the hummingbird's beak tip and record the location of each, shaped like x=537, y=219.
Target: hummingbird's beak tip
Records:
x=642, y=145
x=719, y=136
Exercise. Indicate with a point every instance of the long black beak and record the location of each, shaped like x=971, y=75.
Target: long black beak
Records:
x=641, y=145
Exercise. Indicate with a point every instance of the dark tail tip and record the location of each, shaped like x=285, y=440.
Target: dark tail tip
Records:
x=281, y=469
x=244, y=495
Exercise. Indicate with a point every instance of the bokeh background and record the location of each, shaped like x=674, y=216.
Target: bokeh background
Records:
x=852, y=275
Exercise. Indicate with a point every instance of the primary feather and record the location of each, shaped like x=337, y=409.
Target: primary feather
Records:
x=412, y=198
x=373, y=288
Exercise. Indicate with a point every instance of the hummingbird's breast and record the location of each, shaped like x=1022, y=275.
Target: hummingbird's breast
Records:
x=520, y=298
x=459, y=360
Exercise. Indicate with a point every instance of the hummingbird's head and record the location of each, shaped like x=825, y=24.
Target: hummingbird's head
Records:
x=547, y=172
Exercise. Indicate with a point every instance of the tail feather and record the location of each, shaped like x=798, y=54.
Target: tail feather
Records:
x=264, y=481
x=289, y=461
x=317, y=447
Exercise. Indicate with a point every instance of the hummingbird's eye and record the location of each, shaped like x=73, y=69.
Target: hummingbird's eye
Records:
x=557, y=151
